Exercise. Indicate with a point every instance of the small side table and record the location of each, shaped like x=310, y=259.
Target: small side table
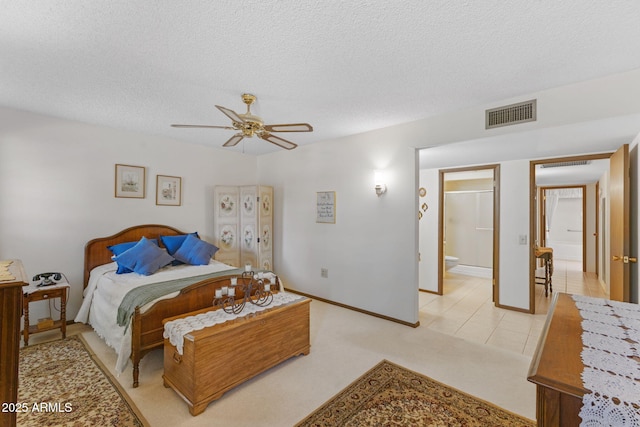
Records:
x=33, y=293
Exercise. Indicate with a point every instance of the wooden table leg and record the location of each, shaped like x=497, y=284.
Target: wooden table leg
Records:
x=63, y=314
x=25, y=331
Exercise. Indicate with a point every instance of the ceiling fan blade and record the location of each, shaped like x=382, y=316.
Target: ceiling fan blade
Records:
x=235, y=117
x=202, y=126
x=278, y=141
x=289, y=127
x=233, y=140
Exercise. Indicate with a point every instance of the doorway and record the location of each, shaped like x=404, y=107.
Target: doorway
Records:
x=563, y=222
x=567, y=174
x=468, y=223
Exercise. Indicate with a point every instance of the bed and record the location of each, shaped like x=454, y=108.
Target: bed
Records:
x=143, y=329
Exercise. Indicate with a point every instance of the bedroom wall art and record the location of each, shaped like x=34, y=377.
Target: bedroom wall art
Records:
x=168, y=190
x=130, y=181
x=244, y=225
x=326, y=207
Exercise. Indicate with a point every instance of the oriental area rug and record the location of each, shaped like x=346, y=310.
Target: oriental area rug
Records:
x=61, y=383
x=390, y=395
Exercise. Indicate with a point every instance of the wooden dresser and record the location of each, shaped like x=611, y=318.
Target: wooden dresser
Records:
x=219, y=357
x=12, y=279
x=556, y=366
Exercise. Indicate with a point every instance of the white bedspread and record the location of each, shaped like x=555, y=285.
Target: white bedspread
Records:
x=105, y=292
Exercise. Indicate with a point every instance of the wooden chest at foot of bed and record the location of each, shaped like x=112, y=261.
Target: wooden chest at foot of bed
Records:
x=220, y=357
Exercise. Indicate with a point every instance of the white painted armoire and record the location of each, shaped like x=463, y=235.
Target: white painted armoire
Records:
x=244, y=225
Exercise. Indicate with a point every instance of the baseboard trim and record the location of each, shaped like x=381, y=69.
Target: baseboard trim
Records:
x=359, y=310
x=472, y=270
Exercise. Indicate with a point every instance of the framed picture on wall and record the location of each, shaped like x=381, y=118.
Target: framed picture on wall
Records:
x=326, y=207
x=130, y=181
x=168, y=190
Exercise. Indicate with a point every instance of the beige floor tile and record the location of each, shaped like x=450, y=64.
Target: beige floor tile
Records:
x=513, y=331
x=508, y=339
x=475, y=332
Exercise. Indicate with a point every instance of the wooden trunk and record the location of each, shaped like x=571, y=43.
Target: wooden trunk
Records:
x=217, y=358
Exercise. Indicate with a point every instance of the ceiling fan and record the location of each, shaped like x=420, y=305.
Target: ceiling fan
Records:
x=249, y=125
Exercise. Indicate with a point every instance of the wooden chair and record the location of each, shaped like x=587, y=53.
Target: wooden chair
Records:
x=546, y=255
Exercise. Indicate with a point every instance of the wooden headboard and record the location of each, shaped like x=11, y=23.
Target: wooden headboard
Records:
x=96, y=252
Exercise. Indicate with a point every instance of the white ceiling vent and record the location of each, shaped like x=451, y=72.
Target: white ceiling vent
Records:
x=562, y=164
x=511, y=114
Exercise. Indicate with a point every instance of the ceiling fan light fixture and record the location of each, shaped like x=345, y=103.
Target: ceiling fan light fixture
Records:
x=249, y=125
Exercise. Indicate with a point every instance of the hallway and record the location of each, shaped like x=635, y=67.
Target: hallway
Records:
x=466, y=310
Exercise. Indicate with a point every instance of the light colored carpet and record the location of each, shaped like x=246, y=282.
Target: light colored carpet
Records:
x=389, y=394
x=62, y=384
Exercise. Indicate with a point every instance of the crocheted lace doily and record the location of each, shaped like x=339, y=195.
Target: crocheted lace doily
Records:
x=175, y=330
x=611, y=358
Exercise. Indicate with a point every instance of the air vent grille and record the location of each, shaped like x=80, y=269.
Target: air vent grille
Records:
x=561, y=164
x=511, y=114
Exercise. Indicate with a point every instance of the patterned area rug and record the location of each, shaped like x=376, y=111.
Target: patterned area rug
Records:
x=63, y=384
x=390, y=395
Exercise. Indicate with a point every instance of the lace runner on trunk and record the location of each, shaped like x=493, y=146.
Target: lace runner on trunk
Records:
x=611, y=358
x=175, y=330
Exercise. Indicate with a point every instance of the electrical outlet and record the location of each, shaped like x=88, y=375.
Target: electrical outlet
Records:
x=324, y=272
x=522, y=239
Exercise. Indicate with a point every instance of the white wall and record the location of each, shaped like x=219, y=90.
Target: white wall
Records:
x=371, y=250
x=563, y=235
x=428, y=232
x=586, y=117
x=57, y=187
x=514, y=222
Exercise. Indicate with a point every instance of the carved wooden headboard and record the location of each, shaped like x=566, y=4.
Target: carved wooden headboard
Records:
x=96, y=252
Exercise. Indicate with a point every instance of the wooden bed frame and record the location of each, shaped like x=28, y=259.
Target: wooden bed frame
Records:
x=147, y=328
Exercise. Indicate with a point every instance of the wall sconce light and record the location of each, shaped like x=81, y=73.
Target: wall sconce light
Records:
x=381, y=187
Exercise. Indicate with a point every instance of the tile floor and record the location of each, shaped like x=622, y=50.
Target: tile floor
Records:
x=466, y=310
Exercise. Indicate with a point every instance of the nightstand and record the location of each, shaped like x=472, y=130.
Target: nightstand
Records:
x=33, y=293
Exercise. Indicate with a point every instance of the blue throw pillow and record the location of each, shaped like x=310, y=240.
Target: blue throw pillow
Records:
x=195, y=251
x=120, y=248
x=173, y=243
x=144, y=258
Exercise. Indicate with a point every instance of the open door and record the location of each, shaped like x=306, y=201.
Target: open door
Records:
x=620, y=194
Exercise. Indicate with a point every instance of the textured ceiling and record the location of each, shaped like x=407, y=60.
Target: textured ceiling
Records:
x=345, y=67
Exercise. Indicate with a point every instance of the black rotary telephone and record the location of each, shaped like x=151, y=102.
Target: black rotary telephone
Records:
x=46, y=278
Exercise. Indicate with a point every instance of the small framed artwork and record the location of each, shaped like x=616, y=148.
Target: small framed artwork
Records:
x=326, y=207
x=168, y=190
x=130, y=181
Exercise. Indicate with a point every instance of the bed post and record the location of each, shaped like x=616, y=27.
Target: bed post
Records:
x=135, y=345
